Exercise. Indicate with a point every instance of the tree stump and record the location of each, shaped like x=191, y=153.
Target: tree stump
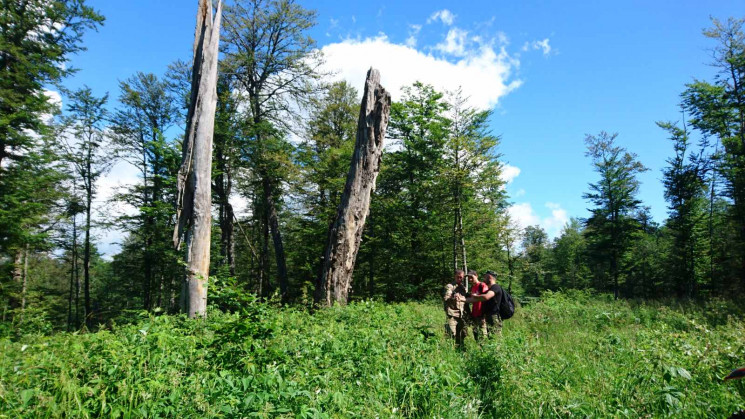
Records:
x=346, y=232
x=194, y=203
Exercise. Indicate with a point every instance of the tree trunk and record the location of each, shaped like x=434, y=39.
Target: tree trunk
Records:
x=195, y=176
x=455, y=238
x=87, y=248
x=24, y=285
x=227, y=236
x=18, y=267
x=264, y=262
x=346, y=232
x=510, y=264
x=73, y=268
x=223, y=188
x=279, y=249
x=462, y=240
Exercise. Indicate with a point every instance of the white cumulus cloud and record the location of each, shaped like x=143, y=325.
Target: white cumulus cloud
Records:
x=444, y=15
x=454, y=43
x=485, y=73
x=413, y=32
x=524, y=215
x=55, y=98
x=509, y=173
x=542, y=45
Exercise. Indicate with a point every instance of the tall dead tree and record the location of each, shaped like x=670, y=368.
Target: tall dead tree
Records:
x=346, y=232
x=194, y=178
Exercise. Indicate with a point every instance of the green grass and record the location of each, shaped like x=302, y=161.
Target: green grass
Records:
x=567, y=355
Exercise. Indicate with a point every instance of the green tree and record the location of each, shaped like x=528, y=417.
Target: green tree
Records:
x=37, y=38
x=537, y=275
x=323, y=159
x=90, y=157
x=718, y=110
x=685, y=190
x=139, y=131
x=472, y=173
x=410, y=204
x=226, y=153
x=569, y=256
x=611, y=226
x=274, y=63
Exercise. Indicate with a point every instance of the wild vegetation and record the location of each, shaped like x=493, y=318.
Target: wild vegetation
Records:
x=569, y=354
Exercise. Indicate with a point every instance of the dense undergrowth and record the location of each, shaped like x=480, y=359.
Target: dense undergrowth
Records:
x=567, y=355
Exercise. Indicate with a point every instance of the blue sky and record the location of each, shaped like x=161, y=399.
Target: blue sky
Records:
x=552, y=71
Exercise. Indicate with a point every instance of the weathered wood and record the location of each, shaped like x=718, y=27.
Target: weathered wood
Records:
x=194, y=178
x=346, y=232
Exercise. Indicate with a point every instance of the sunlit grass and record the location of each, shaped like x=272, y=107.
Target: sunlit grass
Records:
x=567, y=355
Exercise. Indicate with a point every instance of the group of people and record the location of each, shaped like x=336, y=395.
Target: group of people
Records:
x=478, y=308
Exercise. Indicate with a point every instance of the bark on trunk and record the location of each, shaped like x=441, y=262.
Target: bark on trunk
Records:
x=18, y=266
x=279, y=249
x=87, y=248
x=24, y=285
x=346, y=232
x=194, y=179
x=462, y=241
x=223, y=188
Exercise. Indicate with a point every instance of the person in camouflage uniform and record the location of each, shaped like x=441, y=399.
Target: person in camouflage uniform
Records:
x=455, y=307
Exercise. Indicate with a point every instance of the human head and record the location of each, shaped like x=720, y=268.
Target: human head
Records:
x=490, y=277
x=473, y=276
x=459, y=274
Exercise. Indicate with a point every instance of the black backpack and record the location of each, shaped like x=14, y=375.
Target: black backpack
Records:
x=506, y=306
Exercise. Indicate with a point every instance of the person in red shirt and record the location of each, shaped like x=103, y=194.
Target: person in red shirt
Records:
x=478, y=322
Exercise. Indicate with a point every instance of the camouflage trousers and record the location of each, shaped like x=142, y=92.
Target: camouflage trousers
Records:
x=493, y=324
x=479, y=327
x=456, y=328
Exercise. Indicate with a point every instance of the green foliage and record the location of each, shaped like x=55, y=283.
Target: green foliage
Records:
x=568, y=354
x=685, y=190
x=614, y=220
x=139, y=128
x=37, y=39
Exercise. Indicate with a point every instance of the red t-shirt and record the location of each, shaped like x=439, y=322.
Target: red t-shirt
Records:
x=478, y=289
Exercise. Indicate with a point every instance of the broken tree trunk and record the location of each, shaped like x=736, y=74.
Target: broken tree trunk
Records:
x=346, y=232
x=193, y=211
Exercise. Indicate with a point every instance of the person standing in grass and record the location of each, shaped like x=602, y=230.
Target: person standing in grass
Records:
x=455, y=307
x=478, y=321
x=491, y=300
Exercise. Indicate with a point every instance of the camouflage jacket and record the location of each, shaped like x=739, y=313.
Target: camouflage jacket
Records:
x=452, y=307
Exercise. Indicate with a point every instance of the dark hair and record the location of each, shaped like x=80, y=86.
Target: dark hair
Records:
x=491, y=274
x=459, y=271
x=472, y=273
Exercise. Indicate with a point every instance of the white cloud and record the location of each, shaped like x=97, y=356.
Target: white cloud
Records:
x=413, y=32
x=520, y=192
x=557, y=220
x=121, y=175
x=484, y=73
x=509, y=173
x=524, y=215
x=444, y=15
x=542, y=45
x=454, y=43
x=55, y=98
x=502, y=37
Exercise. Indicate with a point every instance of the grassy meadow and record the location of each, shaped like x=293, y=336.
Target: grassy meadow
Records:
x=567, y=355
